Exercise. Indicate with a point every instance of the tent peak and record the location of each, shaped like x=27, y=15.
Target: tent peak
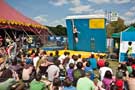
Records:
x=10, y=16
x=129, y=29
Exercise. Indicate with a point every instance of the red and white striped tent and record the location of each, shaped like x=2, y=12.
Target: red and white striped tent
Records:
x=10, y=18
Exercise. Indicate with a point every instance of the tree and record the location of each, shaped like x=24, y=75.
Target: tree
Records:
x=115, y=27
x=132, y=24
x=58, y=30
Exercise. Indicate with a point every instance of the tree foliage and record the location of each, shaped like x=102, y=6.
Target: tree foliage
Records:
x=115, y=27
x=59, y=30
x=132, y=24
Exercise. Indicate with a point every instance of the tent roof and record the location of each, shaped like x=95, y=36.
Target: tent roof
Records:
x=129, y=29
x=11, y=17
x=116, y=35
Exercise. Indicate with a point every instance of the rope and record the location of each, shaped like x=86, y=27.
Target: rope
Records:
x=25, y=32
x=73, y=24
x=8, y=35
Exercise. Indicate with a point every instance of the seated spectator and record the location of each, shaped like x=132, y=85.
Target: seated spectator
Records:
x=93, y=61
x=53, y=70
x=50, y=57
x=27, y=71
x=63, y=56
x=89, y=68
x=36, y=84
x=131, y=81
x=107, y=80
x=7, y=79
x=79, y=58
x=101, y=62
x=84, y=61
x=78, y=73
x=123, y=68
x=14, y=65
x=129, y=68
x=56, y=56
x=68, y=84
x=42, y=66
x=56, y=85
x=66, y=63
x=119, y=80
x=70, y=71
x=36, y=59
x=85, y=83
x=98, y=84
x=102, y=70
x=133, y=64
x=71, y=60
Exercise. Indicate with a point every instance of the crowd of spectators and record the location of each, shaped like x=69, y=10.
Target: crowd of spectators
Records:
x=35, y=69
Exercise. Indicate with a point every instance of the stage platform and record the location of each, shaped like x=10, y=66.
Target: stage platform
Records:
x=53, y=48
x=83, y=53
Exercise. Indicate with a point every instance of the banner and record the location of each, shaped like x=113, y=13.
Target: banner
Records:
x=124, y=46
x=97, y=23
x=114, y=16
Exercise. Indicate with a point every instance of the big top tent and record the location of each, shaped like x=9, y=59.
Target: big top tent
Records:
x=10, y=18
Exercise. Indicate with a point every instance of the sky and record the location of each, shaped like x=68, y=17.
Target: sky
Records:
x=54, y=12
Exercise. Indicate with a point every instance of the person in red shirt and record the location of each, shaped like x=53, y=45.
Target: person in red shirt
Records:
x=133, y=64
x=101, y=62
x=119, y=80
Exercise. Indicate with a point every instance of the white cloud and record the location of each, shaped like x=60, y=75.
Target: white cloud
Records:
x=44, y=21
x=121, y=1
x=80, y=9
x=41, y=19
x=58, y=2
x=111, y=1
x=133, y=8
x=100, y=1
x=57, y=22
x=62, y=2
x=74, y=2
x=130, y=12
x=128, y=20
x=100, y=11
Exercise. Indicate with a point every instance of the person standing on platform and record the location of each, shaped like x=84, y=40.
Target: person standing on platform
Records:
x=129, y=51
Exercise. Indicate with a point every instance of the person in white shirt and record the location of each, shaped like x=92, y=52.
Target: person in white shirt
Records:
x=53, y=70
x=35, y=60
x=63, y=56
x=79, y=58
x=102, y=70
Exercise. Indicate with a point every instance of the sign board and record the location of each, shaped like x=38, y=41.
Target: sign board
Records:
x=97, y=23
x=124, y=46
x=114, y=16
